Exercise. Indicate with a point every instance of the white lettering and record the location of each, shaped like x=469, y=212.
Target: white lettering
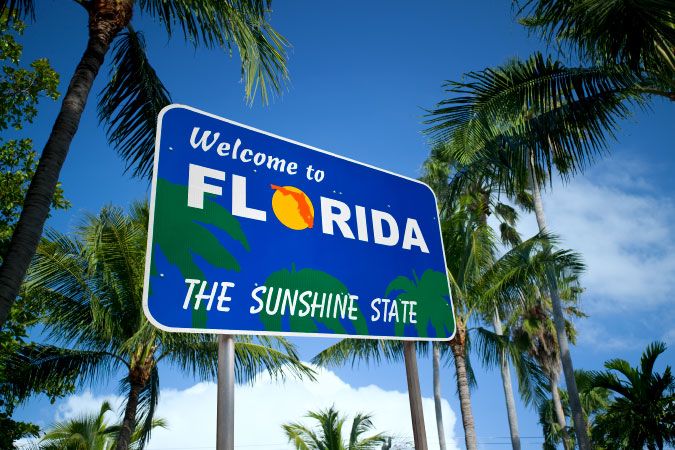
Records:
x=413, y=236
x=378, y=235
x=203, y=140
x=239, y=207
x=222, y=298
x=254, y=295
x=189, y=293
x=341, y=218
x=197, y=188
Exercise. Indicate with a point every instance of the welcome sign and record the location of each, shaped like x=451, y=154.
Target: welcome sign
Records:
x=251, y=233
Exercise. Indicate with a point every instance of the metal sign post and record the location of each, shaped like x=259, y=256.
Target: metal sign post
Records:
x=225, y=414
x=415, y=395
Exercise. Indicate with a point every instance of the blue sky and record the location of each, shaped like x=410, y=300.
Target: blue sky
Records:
x=360, y=75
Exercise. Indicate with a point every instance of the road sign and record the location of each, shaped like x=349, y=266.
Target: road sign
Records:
x=251, y=233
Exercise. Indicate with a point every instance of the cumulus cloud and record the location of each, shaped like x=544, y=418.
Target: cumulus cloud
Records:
x=261, y=409
x=623, y=227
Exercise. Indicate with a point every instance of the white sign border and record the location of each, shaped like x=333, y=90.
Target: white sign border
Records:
x=148, y=252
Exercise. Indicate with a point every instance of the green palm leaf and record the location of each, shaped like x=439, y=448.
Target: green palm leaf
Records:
x=17, y=9
x=240, y=23
x=328, y=434
x=130, y=103
x=639, y=33
x=560, y=114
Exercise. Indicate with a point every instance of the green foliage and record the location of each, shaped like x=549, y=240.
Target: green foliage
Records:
x=329, y=433
x=13, y=346
x=594, y=402
x=642, y=414
x=637, y=33
x=133, y=97
x=562, y=115
x=91, y=287
x=130, y=103
x=89, y=432
x=20, y=91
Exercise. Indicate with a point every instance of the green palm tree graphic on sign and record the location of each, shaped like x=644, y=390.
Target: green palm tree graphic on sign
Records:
x=308, y=280
x=431, y=291
x=170, y=236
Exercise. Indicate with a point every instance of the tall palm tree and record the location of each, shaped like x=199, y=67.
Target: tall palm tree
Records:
x=89, y=432
x=532, y=329
x=91, y=287
x=593, y=400
x=643, y=411
x=437, y=172
x=521, y=120
x=85, y=432
x=328, y=435
x=134, y=96
x=479, y=282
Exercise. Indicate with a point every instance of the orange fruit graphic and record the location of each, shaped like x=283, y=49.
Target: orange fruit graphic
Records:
x=292, y=207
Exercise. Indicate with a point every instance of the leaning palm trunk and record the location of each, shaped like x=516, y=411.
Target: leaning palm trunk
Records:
x=106, y=19
x=129, y=420
x=560, y=415
x=559, y=321
x=139, y=374
x=508, y=388
x=458, y=351
x=437, y=394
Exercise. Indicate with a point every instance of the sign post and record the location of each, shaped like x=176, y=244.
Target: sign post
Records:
x=415, y=396
x=225, y=389
x=251, y=233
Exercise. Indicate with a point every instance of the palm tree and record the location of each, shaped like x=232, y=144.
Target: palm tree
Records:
x=437, y=170
x=520, y=120
x=593, y=400
x=328, y=435
x=134, y=96
x=479, y=282
x=643, y=411
x=638, y=35
x=91, y=287
x=532, y=329
x=89, y=432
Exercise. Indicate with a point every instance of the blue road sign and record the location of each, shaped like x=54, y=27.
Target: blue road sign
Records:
x=251, y=233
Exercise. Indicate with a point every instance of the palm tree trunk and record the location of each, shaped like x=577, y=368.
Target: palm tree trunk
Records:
x=559, y=321
x=560, y=415
x=508, y=388
x=106, y=19
x=129, y=421
x=437, y=394
x=464, y=397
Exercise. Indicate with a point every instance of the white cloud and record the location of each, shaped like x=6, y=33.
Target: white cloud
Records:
x=261, y=409
x=624, y=229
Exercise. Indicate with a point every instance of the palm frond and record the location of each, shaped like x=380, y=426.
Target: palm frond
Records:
x=355, y=351
x=17, y=9
x=239, y=23
x=640, y=33
x=560, y=114
x=43, y=365
x=130, y=103
x=147, y=406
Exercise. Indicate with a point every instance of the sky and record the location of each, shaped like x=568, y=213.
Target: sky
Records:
x=361, y=76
